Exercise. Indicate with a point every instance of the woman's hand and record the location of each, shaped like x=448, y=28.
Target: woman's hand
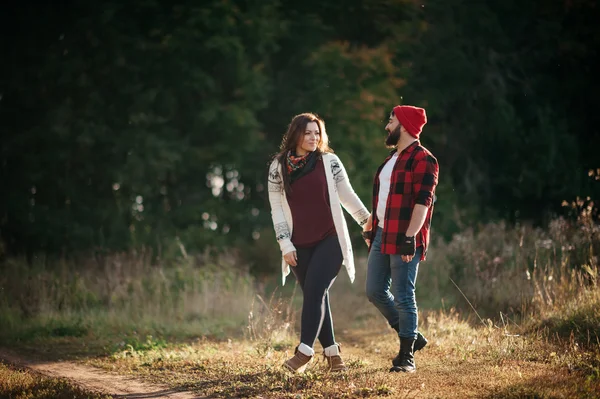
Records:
x=369, y=225
x=291, y=258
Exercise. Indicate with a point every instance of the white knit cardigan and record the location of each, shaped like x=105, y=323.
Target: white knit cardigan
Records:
x=340, y=193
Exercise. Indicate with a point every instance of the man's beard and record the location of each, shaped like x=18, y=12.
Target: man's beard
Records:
x=393, y=137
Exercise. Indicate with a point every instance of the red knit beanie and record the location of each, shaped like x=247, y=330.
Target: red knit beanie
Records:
x=412, y=118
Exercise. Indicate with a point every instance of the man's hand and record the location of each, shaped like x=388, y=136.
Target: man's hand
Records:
x=291, y=258
x=366, y=235
x=407, y=248
x=367, y=227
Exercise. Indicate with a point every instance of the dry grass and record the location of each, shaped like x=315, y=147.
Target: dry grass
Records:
x=519, y=270
x=465, y=357
x=461, y=361
x=22, y=384
x=199, y=295
x=522, y=321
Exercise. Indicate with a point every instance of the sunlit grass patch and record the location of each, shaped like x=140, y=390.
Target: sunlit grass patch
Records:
x=474, y=360
x=577, y=320
x=21, y=384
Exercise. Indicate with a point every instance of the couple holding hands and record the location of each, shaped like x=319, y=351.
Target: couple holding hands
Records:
x=308, y=186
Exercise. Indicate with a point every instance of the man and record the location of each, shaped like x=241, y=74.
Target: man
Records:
x=398, y=234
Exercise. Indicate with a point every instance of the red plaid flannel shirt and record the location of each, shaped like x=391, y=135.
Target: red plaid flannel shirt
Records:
x=413, y=181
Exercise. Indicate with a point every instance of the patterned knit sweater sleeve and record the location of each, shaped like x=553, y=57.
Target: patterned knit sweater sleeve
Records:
x=276, y=197
x=348, y=197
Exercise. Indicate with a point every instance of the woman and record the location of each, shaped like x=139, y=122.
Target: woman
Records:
x=307, y=185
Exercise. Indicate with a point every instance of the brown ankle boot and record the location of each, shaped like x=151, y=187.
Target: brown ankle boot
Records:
x=298, y=363
x=334, y=360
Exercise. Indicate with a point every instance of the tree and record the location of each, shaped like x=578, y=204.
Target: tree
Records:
x=140, y=103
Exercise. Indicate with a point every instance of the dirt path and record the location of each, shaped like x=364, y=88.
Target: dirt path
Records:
x=94, y=379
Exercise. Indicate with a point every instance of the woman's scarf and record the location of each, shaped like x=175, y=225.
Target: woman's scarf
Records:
x=298, y=166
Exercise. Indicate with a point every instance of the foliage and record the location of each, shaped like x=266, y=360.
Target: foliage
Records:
x=151, y=124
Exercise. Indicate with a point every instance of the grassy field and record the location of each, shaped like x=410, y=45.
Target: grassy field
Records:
x=462, y=360
x=509, y=312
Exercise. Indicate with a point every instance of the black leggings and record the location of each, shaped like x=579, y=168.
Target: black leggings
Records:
x=316, y=271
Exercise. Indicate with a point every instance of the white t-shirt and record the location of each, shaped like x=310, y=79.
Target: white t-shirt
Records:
x=384, y=188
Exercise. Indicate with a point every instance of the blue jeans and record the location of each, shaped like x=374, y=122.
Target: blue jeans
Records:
x=391, y=287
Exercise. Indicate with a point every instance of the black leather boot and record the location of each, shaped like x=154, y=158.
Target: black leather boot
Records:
x=419, y=343
x=405, y=361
